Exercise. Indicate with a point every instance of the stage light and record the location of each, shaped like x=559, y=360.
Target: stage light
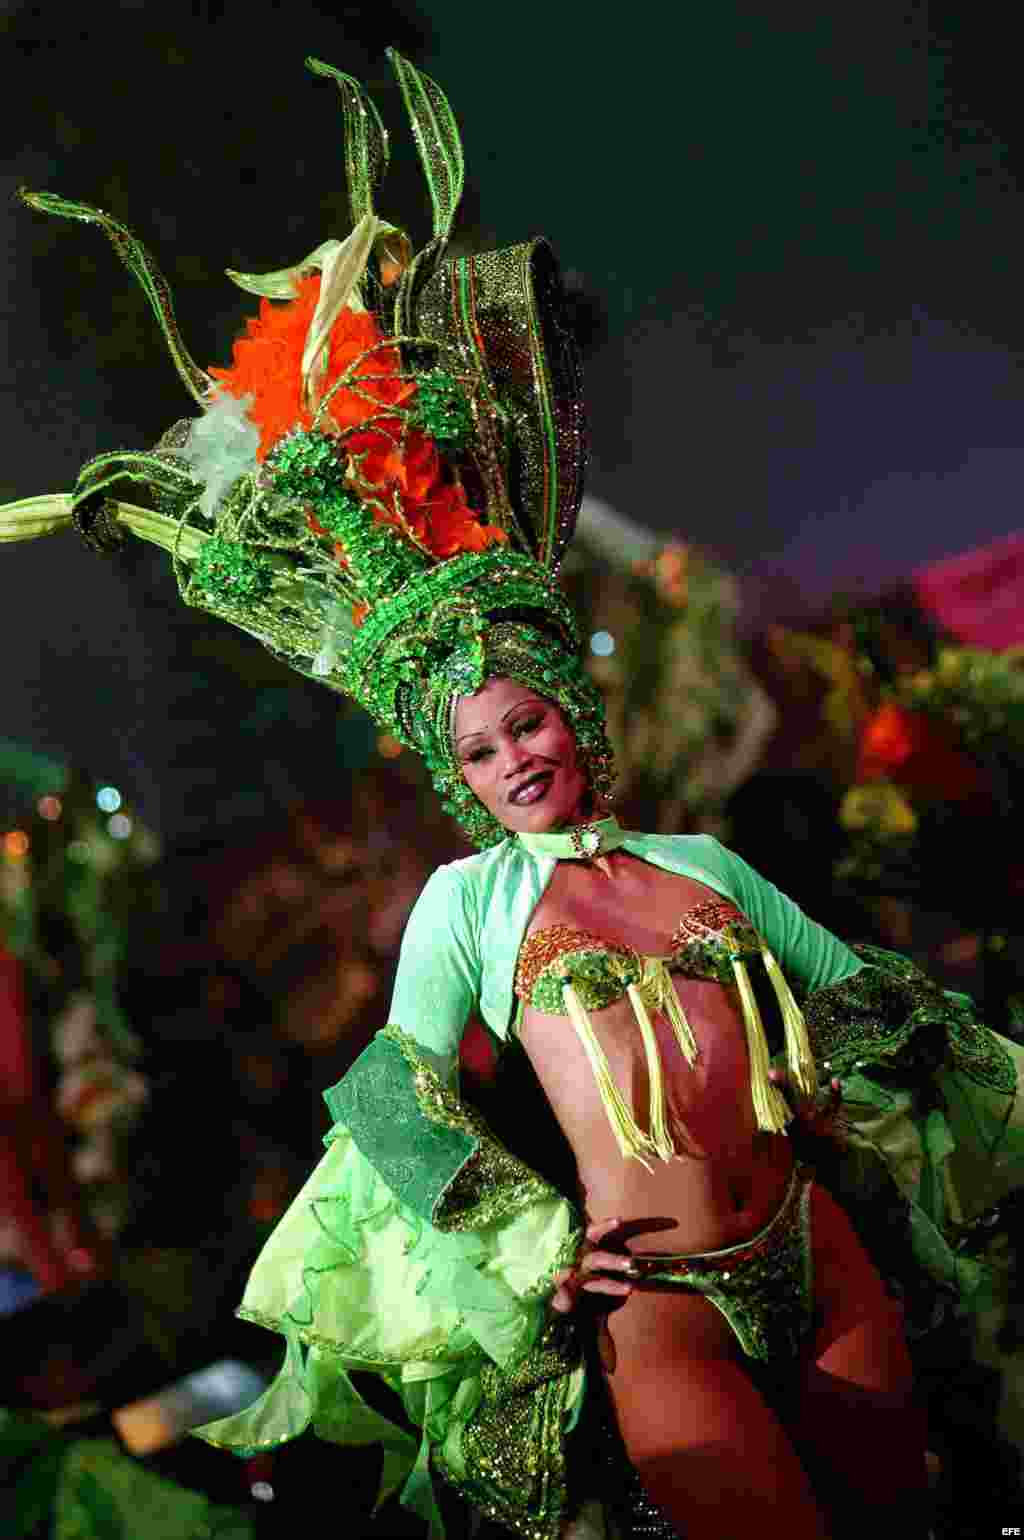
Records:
x=602, y=643
x=108, y=799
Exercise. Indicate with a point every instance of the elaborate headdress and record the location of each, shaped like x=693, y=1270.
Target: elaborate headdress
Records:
x=381, y=486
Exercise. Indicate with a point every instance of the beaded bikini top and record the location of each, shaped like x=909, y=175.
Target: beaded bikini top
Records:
x=565, y=971
x=702, y=946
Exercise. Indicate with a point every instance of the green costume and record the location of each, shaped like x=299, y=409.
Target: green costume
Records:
x=423, y=1251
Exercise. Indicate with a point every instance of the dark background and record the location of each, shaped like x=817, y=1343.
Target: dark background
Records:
x=800, y=225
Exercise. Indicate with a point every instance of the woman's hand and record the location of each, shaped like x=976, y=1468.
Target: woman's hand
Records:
x=819, y=1116
x=604, y=1276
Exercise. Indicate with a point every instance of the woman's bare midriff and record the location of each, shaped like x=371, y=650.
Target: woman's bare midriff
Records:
x=728, y=1179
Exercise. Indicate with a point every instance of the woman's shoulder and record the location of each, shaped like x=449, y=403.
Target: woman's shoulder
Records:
x=694, y=849
x=471, y=870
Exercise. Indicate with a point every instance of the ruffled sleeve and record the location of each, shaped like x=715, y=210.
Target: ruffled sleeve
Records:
x=422, y=1251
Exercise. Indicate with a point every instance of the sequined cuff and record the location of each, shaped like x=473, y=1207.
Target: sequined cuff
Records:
x=891, y=1015
x=435, y=1153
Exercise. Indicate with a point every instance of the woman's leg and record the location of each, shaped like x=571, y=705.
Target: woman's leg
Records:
x=857, y=1424
x=707, y=1448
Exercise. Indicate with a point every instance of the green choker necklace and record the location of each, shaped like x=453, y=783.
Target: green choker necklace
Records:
x=583, y=842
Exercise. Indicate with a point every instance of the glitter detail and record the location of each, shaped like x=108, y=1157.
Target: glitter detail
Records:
x=600, y=970
x=891, y=1014
x=764, y=1287
x=513, y=1447
x=488, y=1183
x=710, y=938
x=705, y=920
x=228, y=569
x=704, y=944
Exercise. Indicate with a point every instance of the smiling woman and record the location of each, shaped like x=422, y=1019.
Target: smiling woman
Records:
x=518, y=757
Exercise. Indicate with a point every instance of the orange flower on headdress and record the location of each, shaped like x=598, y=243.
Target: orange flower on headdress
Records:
x=268, y=365
x=411, y=486
x=452, y=526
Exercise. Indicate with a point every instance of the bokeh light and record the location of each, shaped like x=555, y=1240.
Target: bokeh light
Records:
x=16, y=845
x=108, y=799
x=49, y=808
x=602, y=643
x=120, y=826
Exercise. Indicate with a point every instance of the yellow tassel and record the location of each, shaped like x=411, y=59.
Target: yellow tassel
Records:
x=658, y=1116
x=632, y=1141
x=770, y=1106
x=799, y=1056
x=671, y=1008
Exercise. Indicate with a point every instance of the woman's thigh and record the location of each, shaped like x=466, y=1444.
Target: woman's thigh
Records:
x=856, y=1420
x=707, y=1448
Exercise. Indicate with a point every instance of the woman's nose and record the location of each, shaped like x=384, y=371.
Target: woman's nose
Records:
x=515, y=760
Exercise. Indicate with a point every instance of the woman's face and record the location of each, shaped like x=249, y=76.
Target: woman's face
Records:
x=518, y=755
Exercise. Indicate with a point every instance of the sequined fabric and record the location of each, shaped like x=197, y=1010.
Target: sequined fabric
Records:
x=514, y=1444
x=704, y=944
x=505, y=307
x=764, y=1289
x=891, y=1015
x=599, y=970
x=426, y=1143
x=709, y=937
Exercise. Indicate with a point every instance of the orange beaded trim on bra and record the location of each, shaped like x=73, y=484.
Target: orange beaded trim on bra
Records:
x=541, y=949
x=706, y=920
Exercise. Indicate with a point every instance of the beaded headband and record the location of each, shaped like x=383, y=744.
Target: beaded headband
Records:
x=381, y=486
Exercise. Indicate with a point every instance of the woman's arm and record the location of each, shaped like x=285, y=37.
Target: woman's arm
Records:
x=438, y=981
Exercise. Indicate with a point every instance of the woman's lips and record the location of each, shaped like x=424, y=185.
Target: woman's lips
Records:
x=534, y=790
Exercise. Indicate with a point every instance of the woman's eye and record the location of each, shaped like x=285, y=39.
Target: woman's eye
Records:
x=527, y=725
x=478, y=754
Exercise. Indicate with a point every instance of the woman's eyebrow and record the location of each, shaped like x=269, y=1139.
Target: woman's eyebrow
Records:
x=527, y=700
x=481, y=732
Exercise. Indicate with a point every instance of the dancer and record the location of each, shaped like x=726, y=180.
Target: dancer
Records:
x=379, y=489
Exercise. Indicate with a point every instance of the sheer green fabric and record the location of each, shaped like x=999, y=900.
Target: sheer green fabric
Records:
x=356, y=1278
x=933, y=1092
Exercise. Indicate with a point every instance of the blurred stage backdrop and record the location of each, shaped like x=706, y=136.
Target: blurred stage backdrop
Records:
x=790, y=243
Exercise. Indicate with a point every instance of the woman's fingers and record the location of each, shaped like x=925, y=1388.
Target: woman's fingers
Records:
x=602, y=1285
x=606, y=1261
x=597, y=1232
x=628, y=1229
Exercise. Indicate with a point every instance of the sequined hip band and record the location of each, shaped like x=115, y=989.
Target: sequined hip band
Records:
x=764, y=1286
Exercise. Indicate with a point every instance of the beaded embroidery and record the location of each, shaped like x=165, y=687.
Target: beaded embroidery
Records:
x=704, y=944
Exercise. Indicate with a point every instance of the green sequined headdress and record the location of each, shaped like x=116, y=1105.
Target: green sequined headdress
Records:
x=381, y=487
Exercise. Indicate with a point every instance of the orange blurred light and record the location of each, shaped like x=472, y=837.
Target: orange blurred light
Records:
x=16, y=845
x=49, y=808
x=388, y=746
